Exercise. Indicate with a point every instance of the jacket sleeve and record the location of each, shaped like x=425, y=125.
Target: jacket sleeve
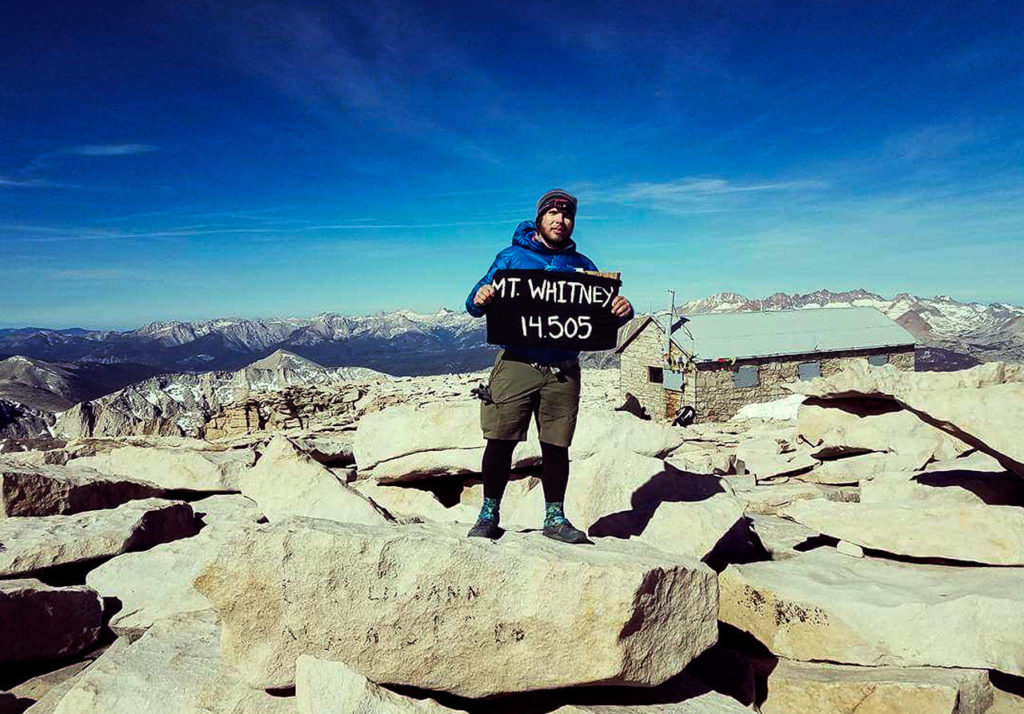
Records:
x=500, y=261
x=588, y=264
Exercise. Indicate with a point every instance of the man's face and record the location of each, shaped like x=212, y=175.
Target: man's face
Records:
x=555, y=226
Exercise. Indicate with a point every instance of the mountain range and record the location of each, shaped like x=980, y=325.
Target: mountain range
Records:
x=400, y=342
x=952, y=334
x=56, y=386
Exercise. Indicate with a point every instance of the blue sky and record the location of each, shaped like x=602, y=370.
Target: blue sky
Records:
x=192, y=160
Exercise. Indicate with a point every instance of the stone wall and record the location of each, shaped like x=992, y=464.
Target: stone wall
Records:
x=903, y=360
x=709, y=388
x=644, y=351
x=647, y=351
x=717, y=398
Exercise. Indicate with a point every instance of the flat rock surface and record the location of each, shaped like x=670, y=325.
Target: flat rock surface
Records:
x=764, y=459
x=405, y=443
x=426, y=606
x=157, y=583
x=175, y=668
x=780, y=536
x=826, y=606
x=970, y=532
x=66, y=678
x=949, y=488
x=853, y=470
x=615, y=493
x=982, y=406
x=861, y=379
x=322, y=686
x=710, y=703
x=770, y=499
x=29, y=544
x=840, y=689
x=989, y=418
x=693, y=528
x=175, y=467
x=38, y=621
x=59, y=490
x=912, y=441
x=407, y=503
x=1006, y=703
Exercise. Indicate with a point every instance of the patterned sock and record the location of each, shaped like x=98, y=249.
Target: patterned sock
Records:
x=554, y=514
x=489, y=511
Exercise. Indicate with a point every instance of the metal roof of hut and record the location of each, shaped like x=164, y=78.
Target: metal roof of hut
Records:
x=740, y=335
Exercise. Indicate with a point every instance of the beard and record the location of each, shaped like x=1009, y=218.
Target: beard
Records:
x=553, y=239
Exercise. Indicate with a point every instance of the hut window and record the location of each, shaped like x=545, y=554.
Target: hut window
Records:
x=809, y=370
x=655, y=374
x=745, y=376
x=878, y=360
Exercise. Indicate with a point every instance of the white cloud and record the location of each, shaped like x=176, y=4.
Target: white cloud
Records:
x=96, y=274
x=696, y=194
x=111, y=149
x=25, y=183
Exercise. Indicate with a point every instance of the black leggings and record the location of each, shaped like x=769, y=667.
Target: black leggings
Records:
x=497, y=464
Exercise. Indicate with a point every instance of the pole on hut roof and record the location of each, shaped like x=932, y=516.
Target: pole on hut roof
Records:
x=668, y=327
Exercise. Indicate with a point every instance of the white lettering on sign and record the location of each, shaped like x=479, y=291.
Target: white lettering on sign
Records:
x=557, y=326
x=512, y=285
x=560, y=291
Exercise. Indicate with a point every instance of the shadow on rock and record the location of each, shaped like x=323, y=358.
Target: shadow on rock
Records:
x=670, y=485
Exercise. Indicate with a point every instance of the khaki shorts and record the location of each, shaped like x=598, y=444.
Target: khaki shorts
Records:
x=520, y=390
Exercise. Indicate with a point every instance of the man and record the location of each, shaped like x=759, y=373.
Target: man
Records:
x=535, y=381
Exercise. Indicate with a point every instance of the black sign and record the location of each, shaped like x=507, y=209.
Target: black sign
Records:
x=546, y=308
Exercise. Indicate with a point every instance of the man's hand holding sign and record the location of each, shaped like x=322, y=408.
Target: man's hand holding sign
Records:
x=545, y=302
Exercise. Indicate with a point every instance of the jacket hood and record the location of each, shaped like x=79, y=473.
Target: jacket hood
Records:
x=524, y=238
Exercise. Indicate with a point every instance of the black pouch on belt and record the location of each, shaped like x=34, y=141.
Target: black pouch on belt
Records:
x=483, y=394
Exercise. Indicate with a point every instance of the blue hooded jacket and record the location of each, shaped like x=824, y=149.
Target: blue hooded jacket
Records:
x=525, y=253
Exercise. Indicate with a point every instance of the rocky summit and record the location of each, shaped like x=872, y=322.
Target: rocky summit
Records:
x=857, y=547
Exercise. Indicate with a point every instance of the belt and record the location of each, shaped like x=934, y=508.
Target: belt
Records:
x=559, y=365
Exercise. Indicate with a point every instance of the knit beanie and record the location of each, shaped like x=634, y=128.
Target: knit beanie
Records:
x=557, y=198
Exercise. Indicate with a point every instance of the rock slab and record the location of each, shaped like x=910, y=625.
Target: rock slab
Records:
x=27, y=490
x=424, y=605
x=30, y=544
x=839, y=689
x=287, y=482
x=614, y=492
x=175, y=668
x=405, y=443
x=145, y=597
x=174, y=467
x=970, y=532
x=826, y=606
x=38, y=621
x=323, y=687
x=710, y=703
x=693, y=528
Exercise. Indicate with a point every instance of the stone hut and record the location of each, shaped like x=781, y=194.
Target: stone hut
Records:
x=717, y=363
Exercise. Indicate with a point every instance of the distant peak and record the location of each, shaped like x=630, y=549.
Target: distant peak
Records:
x=283, y=358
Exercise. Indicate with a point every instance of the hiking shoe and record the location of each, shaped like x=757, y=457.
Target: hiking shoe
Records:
x=484, y=528
x=566, y=532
